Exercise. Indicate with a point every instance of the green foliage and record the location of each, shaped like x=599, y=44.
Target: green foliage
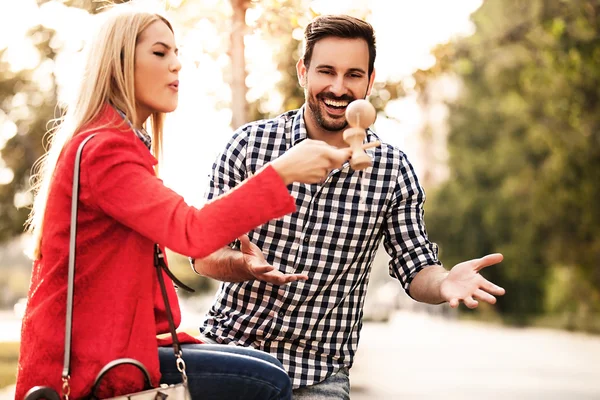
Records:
x=572, y=299
x=524, y=146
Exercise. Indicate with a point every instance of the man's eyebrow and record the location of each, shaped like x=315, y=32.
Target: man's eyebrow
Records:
x=326, y=66
x=166, y=46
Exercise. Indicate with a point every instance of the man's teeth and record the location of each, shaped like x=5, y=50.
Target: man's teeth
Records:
x=334, y=103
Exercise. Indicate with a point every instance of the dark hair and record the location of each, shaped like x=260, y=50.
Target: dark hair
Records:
x=340, y=26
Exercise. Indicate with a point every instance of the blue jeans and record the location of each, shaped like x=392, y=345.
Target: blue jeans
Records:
x=336, y=387
x=227, y=372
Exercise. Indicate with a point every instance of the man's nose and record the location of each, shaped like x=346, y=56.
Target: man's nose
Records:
x=338, y=87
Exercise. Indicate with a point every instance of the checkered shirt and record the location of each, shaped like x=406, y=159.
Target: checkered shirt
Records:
x=139, y=132
x=313, y=326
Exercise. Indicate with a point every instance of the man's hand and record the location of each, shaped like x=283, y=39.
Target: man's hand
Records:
x=464, y=283
x=260, y=269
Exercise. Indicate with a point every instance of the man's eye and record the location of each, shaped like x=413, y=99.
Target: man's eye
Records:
x=158, y=53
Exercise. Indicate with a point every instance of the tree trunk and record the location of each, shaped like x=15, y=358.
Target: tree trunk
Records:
x=239, y=104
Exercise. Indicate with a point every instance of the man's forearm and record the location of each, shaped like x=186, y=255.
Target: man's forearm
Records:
x=425, y=286
x=225, y=265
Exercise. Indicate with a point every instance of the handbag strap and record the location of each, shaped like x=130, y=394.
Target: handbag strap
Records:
x=116, y=363
x=160, y=265
x=158, y=261
x=71, y=274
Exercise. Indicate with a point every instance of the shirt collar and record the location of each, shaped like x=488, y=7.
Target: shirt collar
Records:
x=139, y=132
x=299, y=127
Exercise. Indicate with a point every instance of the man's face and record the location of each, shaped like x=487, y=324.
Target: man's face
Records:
x=337, y=75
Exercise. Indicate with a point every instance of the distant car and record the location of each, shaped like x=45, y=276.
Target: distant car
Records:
x=19, y=307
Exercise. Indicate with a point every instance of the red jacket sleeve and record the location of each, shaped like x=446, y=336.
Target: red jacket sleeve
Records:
x=118, y=170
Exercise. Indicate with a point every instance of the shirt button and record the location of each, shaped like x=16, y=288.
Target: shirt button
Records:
x=281, y=314
x=306, y=239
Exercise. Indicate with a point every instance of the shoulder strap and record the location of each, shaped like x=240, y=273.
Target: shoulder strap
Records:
x=71, y=277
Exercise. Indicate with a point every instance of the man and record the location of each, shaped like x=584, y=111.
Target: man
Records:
x=325, y=250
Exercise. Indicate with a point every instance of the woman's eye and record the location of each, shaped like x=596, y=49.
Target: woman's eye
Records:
x=158, y=53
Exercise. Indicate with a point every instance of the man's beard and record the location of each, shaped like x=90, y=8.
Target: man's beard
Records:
x=320, y=115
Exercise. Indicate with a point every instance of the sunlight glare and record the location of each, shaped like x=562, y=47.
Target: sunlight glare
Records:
x=22, y=55
x=8, y=130
x=16, y=20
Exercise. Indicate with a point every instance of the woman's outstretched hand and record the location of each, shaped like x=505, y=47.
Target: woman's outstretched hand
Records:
x=310, y=161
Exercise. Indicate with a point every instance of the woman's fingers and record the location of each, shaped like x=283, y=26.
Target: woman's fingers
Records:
x=371, y=144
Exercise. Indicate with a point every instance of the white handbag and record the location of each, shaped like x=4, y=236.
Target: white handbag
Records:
x=176, y=392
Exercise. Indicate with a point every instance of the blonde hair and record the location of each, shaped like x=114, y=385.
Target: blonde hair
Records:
x=108, y=77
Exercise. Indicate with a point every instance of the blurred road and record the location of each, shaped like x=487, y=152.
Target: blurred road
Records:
x=417, y=356
x=421, y=357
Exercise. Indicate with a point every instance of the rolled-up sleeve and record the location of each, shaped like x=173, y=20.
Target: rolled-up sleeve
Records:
x=406, y=239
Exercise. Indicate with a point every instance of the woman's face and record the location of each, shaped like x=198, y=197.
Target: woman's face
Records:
x=156, y=71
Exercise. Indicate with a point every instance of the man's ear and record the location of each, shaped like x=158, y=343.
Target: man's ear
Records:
x=301, y=70
x=371, y=81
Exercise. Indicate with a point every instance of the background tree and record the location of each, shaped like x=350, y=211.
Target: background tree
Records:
x=28, y=102
x=239, y=104
x=524, y=146
x=24, y=112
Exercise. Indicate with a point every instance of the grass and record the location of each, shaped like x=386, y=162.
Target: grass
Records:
x=9, y=356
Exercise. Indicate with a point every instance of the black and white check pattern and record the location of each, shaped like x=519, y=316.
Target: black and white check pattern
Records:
x=139, y=132
x=313, y=327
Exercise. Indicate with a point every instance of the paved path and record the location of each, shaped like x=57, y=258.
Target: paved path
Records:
x=416, y=356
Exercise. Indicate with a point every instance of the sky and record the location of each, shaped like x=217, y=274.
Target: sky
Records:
x=406, y=31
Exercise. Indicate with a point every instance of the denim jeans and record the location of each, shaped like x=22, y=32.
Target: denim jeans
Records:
x=227, y=372
x=336, y=387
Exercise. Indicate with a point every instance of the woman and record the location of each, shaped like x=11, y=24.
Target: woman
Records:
x=131, y=77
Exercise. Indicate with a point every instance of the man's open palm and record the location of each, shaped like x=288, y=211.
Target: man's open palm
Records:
x=259, y=267
x=464, y=283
